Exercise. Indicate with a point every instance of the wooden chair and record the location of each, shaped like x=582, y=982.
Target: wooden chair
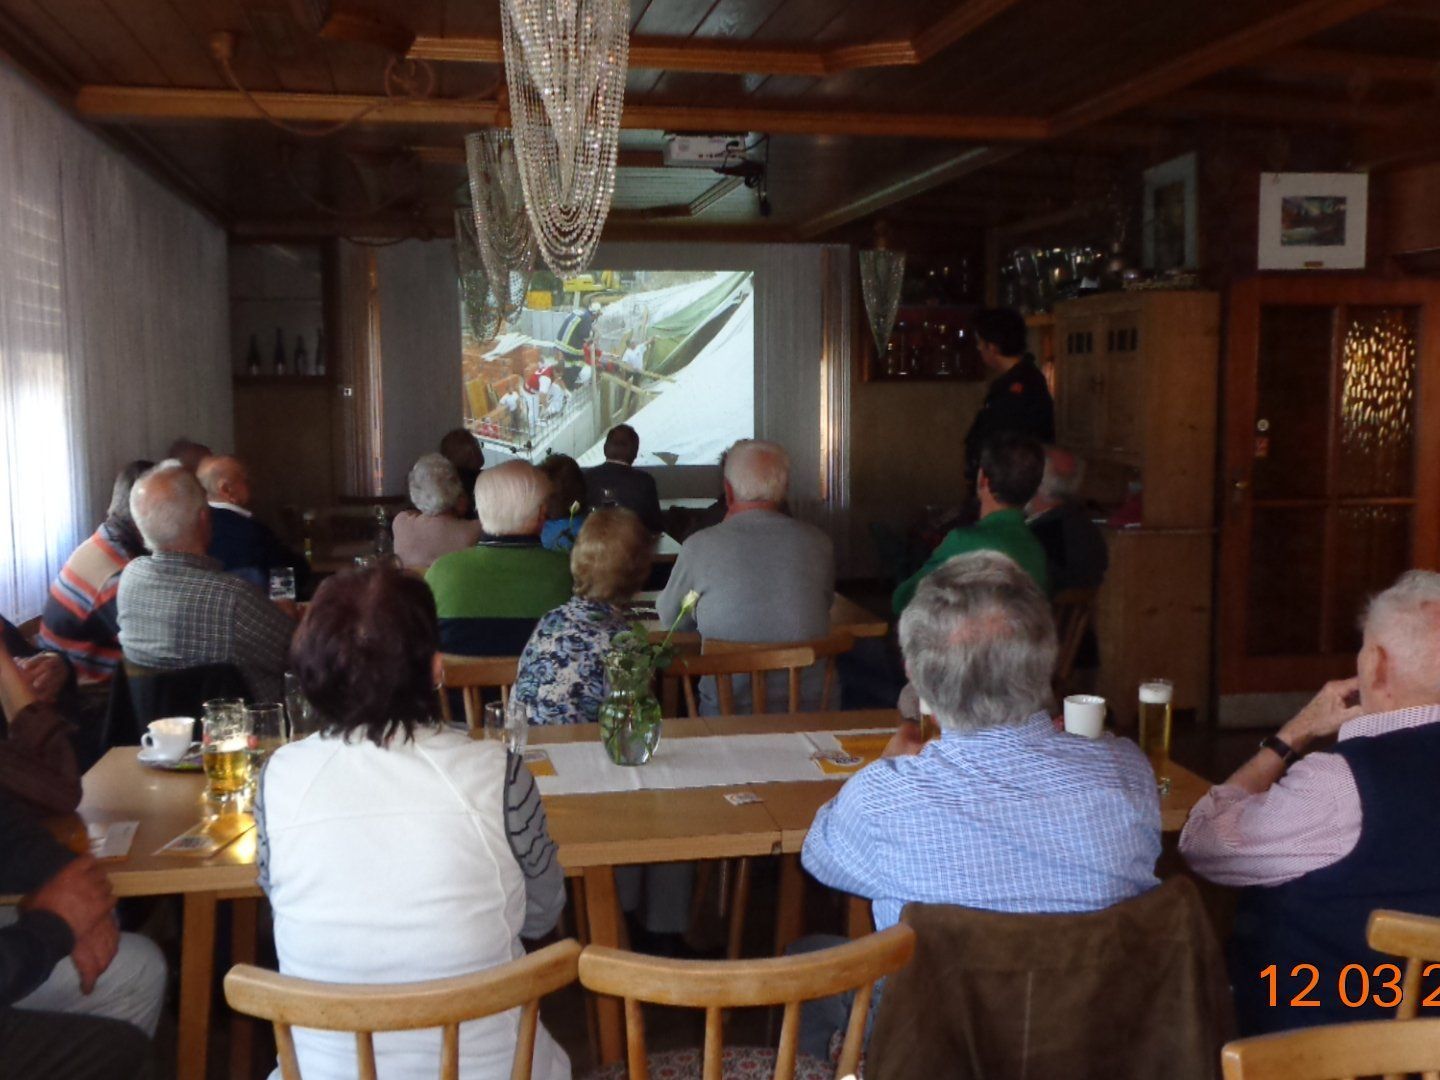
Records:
x=472, y=676
x=1416, y=938
x=829, y=649
x=716, y=985
x=1074, y=608
x=753, y=661
x=1335, y=1052
x=444, y=1003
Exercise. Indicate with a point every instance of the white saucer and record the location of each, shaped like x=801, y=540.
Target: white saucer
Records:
x=148, y=756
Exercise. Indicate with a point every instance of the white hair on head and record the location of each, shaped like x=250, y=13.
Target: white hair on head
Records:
x=758, y=470
x=1061, y=486
x=510, y=498
x=434, y=484
x=167, y=504
x=1405, y=621
x=979, y=643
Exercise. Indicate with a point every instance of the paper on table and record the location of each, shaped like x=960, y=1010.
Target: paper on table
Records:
x=111, y=840
x=867, y=747
x=538, y=762
x=208, y=837
x=705, y=761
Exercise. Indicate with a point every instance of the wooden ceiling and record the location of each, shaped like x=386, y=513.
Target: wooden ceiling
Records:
x=977, y=112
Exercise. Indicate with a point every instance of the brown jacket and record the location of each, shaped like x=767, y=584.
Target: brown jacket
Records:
x=37, y=762
x=1137, y=990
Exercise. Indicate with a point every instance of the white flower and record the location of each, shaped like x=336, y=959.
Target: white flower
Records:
x=691, y=599
x=574, y=507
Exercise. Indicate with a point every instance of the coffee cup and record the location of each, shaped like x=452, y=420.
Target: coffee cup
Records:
x=168, y=739
x=1085, y=715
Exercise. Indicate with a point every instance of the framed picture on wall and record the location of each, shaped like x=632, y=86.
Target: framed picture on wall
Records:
x=1313, y=221
x=1170, y=237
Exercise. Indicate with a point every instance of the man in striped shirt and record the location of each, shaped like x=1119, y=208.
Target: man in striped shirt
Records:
x=1320, y=841
x=79, y=618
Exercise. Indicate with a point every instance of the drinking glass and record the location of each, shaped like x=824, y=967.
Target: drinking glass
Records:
x=282, y=583
x=267, y=733
x=225, y=746
x=517, y=726
x=494, y=721
x=1155, y=716
x=298, y=709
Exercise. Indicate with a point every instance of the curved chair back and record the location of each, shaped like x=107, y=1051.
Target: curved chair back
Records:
x=755, y=661
x=472, y=676
x=826, y=648
x=1414, y=937
x=1074, y=609
x=716, y=985
x=1338, y=1052
x=444, y=1003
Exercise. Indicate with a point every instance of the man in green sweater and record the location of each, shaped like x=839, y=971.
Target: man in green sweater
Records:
x=1011, y=466
x=489, y=597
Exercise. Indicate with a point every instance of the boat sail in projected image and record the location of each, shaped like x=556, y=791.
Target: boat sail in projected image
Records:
x=669, y=352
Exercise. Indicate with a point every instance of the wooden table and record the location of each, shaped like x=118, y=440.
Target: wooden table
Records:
x=595, y=833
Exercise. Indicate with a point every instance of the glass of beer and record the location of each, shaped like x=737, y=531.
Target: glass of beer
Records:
x=267, y=733
x=1155, y=698
x=225, y=750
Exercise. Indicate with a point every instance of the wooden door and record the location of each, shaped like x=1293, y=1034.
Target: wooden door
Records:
x=1331, y=478
x=1079, y=377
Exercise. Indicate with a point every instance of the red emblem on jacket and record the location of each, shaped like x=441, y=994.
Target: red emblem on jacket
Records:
x=1017, y=388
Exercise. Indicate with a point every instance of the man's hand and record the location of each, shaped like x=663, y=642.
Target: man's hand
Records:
x=79, y=894
x=46, y=673
x=1335, y=704
x=906, y=740
x=94, y=951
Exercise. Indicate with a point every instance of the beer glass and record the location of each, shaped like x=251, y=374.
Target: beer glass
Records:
x=225, y=750
x=1155, y=698
x=298, y=710
x=267, y=733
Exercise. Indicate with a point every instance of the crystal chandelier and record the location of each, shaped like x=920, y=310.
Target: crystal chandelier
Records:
x=881, y=273
x=477, y=302
x=565, y=63
x=503, y=237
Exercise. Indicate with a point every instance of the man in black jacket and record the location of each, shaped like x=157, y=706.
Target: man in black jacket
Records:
x=619, y=483
x=1018, y=399
x=67, y=910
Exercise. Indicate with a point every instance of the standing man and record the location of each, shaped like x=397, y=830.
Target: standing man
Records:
x=576, y=332
x=1018, y=399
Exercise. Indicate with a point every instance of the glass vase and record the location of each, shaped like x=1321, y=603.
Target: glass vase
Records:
x=629, y=715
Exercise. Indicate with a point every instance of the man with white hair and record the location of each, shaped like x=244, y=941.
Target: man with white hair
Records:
x=177, y=609
x=1002, y=812
x=1075, y=553
x=762, y=576
x=1319, y=839
x=489, y=597
x=243, y=545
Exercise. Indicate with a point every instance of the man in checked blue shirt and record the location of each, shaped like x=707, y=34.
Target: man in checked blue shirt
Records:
x=1002, y=812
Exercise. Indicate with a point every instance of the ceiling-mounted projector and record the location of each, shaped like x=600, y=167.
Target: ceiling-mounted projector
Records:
x=705, y=151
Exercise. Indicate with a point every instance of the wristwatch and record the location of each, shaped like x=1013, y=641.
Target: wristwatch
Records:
x=1280, y=746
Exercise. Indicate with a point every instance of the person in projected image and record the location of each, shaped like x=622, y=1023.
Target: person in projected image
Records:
x=1319, y=839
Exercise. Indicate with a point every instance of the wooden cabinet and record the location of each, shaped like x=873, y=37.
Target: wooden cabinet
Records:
x=1137, y=380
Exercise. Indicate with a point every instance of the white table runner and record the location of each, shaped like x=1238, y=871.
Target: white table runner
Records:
x=702, y=761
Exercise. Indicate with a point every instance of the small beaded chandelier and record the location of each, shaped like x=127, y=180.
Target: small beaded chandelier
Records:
x=503, y=238
x=565, y=63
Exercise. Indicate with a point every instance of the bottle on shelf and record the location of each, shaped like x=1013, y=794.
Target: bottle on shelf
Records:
x=279, y=351
x=252, y=357
x=302, y=358
x=383, y=543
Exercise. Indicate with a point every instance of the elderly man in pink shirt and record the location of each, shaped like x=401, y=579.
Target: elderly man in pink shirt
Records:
x=1319, y=840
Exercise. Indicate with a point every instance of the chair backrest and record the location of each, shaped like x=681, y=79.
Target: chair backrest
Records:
x=1417, y=939
x=139, y=695
x=826, y=648
x=1073, y=609
x=716, y=985
x=444, y=1003
x=1338, y=1052
x=472, y=676
x=755, y=661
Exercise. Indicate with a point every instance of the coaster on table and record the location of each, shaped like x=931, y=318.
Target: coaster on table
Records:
x=208, y=837
x=539, y=763
x=111, y=840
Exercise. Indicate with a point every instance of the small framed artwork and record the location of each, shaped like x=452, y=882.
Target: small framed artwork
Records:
x=1313, y=221
x=1171, y=229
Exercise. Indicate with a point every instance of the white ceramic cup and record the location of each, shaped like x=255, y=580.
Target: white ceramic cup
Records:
x=1085, y=715
x=169, y=738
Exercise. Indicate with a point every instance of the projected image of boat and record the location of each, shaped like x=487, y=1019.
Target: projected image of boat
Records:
x=669, y=352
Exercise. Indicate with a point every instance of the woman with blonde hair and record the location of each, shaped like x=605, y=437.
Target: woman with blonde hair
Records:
x=562, y=670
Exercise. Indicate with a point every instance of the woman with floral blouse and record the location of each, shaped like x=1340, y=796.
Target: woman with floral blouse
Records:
x=562, y=670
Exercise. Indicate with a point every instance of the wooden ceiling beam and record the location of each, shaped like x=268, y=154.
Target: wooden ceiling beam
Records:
x=1342, y=64
x=743, y=58
x=1234, y=50
x=133, y=104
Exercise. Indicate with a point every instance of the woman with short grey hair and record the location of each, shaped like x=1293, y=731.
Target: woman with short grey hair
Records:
x=434, y=527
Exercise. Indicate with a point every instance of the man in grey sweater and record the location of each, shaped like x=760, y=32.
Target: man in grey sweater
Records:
x=761, y=576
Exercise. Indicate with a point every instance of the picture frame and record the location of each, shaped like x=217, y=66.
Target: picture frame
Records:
x=1170, y=237
x=1313, y=221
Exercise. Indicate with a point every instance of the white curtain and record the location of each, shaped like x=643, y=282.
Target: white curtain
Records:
x=113, y=311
